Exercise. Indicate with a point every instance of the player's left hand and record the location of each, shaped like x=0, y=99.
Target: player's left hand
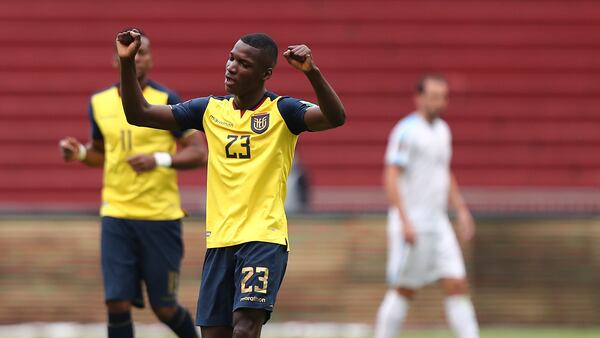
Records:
x=300, y=57
x=466, y=225
x=142, y=163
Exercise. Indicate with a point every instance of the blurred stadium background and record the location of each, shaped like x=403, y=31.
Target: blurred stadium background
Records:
x=524, y=112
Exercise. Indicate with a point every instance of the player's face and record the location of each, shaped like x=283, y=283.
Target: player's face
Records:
x=244, y=72
x=434, y=99
x=143, y=59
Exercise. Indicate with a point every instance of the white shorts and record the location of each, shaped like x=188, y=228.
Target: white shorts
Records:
x=435, y=255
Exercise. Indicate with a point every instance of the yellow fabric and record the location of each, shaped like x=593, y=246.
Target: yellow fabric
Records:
x=152, y=195
x=246, y=191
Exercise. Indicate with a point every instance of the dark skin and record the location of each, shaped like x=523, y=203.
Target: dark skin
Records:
x=246, y=72
x=193, y=154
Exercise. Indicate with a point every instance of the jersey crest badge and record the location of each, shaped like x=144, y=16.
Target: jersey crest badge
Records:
x=259, y=123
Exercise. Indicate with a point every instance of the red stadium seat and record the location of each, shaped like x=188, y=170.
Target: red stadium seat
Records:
x=524, y=103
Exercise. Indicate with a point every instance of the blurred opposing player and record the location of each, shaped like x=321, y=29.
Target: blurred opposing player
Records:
x=422, y=247
x=251, y=136
x=141, y=226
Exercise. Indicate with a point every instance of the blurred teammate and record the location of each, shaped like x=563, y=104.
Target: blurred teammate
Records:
x=422, y=247
x=141, y=226
x=251, y=138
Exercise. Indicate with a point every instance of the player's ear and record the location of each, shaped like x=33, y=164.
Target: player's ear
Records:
x=150, y=62
x=417, y=98
x=268, y=73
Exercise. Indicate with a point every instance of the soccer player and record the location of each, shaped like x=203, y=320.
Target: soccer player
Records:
x=141, y=213
x=422, y=247
x=251, y=137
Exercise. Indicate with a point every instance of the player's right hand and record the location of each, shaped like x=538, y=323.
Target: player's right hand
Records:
x=410, y=236
x=69, y=148
x=128, y=43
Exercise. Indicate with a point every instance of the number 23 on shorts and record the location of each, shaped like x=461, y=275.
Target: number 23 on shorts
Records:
x=263, y=278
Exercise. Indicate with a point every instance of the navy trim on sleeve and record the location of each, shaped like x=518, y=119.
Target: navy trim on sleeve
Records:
x=189, y=114
x=95, y=129
x=172, y=99
x=177, y=133
x=292, y=110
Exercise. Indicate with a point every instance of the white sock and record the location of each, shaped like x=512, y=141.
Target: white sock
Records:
x=391, y=314
x=461, y=317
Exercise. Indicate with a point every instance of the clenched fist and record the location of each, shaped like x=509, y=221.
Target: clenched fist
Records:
x=128, y=43
x=300, y=57
x=69, y=148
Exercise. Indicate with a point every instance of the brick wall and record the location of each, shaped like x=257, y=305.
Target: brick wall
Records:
x=522, y=272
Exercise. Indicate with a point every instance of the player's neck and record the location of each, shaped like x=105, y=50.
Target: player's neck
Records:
x=249, y=101
x=426, y=117
x=143, y=81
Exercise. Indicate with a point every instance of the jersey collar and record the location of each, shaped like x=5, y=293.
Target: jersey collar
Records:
x=266, y=95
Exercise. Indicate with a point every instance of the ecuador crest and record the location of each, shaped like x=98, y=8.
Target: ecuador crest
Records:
x=260, y=123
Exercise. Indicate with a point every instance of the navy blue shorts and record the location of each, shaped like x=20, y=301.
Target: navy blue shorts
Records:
x=136, y=251
x=242, y=276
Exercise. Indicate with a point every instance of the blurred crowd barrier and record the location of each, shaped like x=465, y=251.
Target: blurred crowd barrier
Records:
x=524, y=271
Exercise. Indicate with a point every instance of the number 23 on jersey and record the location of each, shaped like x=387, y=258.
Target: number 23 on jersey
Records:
x=238, y=146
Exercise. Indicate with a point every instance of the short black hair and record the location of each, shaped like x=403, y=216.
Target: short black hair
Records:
x=265, y=43
x=421, y=83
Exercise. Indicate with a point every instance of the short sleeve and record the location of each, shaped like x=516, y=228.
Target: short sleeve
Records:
x=292, y=110
x=177, y=133
x=174, y=99
x=189, y=114
x=398, y=148
x=95, y=130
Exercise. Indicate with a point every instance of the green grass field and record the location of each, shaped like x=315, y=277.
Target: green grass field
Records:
x=492, y=333
x=489, y=333
x=160, y=332
x=496, y=333
x=513, y=333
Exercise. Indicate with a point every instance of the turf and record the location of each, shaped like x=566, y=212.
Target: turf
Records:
x=487, y=333
x=512, y=333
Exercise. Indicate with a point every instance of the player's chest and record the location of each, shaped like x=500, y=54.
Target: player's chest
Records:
x=233, y=136
x=118, y=133
x=432, y=145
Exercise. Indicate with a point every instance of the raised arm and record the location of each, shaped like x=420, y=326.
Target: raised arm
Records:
x=137, y=110
x=330, y=111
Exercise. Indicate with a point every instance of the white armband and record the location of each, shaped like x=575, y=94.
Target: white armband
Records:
x=82, y=153
x=163, y=159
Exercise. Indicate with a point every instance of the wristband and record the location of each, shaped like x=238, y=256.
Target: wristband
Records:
x=163, y=159
x=82, y=153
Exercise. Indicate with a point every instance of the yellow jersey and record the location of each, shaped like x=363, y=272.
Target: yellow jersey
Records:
x=152, y=195
x=250, y=154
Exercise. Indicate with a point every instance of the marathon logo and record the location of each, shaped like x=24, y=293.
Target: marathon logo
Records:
x=253, y=299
